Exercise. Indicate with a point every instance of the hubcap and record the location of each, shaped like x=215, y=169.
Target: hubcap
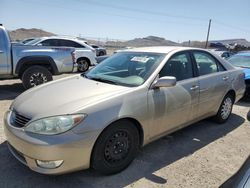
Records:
x=226, y=108
x=83, y=65
x=37, y=79
x=117, y=147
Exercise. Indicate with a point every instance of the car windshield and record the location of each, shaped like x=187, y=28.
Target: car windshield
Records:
x=240, y=60
x=126, y=68
x=32, y=42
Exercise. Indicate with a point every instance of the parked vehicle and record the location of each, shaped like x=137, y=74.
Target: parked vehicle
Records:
x=85, y=54
x=223, y=54
x=33, y=65
x=103, y=117
x=27, y=40
x=100, y=51
x=99, y=59
x=242, y=59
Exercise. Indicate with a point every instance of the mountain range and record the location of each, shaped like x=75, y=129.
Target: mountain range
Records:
x=22, y=33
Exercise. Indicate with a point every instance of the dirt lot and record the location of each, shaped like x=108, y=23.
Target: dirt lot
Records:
x=202, y=155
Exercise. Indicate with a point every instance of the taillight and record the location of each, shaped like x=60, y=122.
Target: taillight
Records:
x=73, y=55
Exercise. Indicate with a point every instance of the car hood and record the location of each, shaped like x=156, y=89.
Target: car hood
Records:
x=64, y=96
x=247, y=73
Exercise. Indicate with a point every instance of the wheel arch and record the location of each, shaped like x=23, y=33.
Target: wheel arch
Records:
x=28, y=61
x=232, y=93
x=135, y=122
x=85, y=58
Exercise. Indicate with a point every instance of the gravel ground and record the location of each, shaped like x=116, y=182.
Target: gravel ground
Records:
x=202, y=155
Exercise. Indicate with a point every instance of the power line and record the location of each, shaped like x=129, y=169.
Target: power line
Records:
x=230, y=26
x=108, y=5
x=141, y=19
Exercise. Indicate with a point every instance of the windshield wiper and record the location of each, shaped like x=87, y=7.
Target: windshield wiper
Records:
x=102, y=80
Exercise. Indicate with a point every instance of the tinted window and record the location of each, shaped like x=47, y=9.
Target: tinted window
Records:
x=179, y=66
x=206, y=63
x=69, y=43
x=50, y=42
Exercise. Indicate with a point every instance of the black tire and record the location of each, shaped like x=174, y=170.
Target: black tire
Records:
x=101, y=53
x=35, y=75
x=83, y=65
x=115, y=148
x=225, y=109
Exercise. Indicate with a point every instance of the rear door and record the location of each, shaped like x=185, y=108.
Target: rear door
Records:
x=213, y=82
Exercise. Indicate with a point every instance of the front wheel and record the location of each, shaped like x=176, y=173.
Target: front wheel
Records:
x=116, y=148
x=35, y=75
x=225, y=109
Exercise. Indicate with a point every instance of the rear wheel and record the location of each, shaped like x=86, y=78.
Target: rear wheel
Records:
x=101, y=53
x=82, y=65
x=116, y=148
x=36, y=75
x=225, y=109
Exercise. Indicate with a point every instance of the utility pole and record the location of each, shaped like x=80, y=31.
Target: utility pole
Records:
x=208, y=31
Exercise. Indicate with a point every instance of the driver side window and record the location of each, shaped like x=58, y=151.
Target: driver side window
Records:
x=179, y=66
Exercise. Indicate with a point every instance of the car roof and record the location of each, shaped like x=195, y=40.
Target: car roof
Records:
x=160, y=49
x=63, y=37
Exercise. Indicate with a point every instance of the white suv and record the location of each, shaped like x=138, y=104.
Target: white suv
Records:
x=85, y=54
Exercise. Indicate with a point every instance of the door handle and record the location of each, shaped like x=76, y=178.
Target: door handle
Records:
x=194, y=88
x=225, y=78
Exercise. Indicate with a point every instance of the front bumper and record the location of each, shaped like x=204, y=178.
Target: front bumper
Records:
x=73, y=149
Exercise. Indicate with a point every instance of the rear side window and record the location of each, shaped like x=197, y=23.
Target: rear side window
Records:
x=206, y=63
x=50, y=42
x=179, y=66
x=69, y=43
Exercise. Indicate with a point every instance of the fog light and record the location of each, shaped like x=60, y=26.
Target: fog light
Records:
x=49, y=164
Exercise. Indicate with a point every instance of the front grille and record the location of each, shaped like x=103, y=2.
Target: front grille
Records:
x=19, y=120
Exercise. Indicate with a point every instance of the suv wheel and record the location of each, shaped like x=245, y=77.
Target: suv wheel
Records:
x=35, y=75
x=101, y=53
x=82, y=65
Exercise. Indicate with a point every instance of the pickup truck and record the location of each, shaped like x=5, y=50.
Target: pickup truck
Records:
x=34, y=65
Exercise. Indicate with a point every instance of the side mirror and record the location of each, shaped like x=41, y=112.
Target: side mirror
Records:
x=166, y=81
x=39, y=44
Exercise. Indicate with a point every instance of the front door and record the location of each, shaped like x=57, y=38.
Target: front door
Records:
x=173, y=107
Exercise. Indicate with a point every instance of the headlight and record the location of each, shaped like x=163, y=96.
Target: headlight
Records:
x=54, y=125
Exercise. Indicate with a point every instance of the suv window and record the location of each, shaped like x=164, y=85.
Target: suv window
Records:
x=50, y=42
x=206, y=63
x=69, y=43
x=179, y=66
